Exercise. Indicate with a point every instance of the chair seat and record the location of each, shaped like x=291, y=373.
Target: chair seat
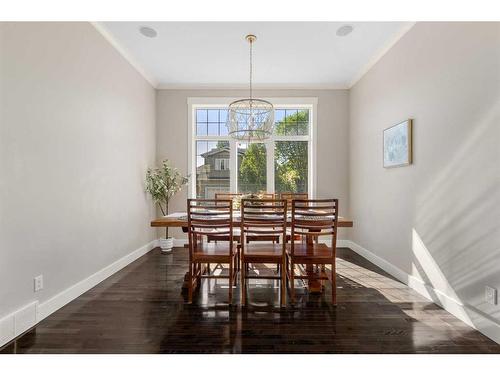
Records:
x=262, y=253
x=312, y=253
x=213, y=252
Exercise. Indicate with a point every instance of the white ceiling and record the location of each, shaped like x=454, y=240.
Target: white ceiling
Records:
x=286, y=54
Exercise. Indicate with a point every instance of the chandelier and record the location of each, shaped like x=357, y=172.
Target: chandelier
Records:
x=250, y=119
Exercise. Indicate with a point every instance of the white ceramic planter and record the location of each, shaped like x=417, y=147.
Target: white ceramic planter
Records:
x=166, y=244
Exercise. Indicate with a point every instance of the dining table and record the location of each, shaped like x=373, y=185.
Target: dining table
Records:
x=180, y=220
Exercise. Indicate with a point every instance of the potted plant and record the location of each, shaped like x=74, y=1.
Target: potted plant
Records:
x=163, y=183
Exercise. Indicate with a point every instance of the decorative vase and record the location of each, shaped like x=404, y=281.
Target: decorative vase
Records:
x=166, y=244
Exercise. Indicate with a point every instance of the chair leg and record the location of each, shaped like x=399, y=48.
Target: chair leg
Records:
x=238, y=265
x=334, y=285
x=287, y=266
x=292, y=283
x=190, y=286
x=197, y=272
x=235, y=273
x=243, y=285
x=208, y=268
x=283, y=286
x=231, y=282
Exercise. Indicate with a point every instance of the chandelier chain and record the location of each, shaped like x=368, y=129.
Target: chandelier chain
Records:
x=251, y=67
x=250, y=119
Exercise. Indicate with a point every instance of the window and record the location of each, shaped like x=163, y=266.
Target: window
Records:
x=284, y=163
x=291, y=166
x=221, y=164
x=252, y=170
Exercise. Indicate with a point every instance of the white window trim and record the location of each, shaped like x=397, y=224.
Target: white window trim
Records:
x=311, y=103
x=221, y=165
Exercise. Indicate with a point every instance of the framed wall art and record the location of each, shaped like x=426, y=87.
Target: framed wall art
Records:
x=398, y=145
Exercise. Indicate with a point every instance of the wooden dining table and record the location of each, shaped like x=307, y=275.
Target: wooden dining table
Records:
x=179, y=220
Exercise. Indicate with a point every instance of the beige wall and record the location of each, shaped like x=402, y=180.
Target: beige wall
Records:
x=77, y=132
x=438, y=219
x=332, y=140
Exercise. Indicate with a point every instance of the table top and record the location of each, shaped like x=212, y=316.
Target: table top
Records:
x=179, y=219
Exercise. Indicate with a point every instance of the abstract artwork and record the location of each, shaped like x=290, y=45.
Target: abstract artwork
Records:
x=397, y=145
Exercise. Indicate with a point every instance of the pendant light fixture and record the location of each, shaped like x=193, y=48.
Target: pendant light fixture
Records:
x=250, y=119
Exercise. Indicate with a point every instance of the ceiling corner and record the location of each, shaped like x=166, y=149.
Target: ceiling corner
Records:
x=125, y=53
x=386, y=48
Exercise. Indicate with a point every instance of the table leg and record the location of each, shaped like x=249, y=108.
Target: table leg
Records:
x=185, y=284
x=314, y=285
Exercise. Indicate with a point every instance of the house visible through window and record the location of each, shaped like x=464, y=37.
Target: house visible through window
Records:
x=280, y=164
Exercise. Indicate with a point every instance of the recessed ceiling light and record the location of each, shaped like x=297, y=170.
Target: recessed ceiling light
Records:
x=344, y=30
x=148, y=32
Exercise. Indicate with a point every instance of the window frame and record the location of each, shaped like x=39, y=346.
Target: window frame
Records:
x=310, y=103
x=221, y=164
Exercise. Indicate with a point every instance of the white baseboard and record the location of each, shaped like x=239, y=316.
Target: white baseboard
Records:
x=7, y=329
x=382, y=263
x=25, y=318
x=17, y=322
x=61, y=299
x=343, y=243
x=468, y=314
x=180, y=242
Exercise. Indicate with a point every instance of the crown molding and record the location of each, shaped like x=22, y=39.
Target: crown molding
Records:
x=124, y=52
x=244, y=86
x=381, y=53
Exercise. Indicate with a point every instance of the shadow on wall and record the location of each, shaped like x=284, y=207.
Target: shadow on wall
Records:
x=456, y=236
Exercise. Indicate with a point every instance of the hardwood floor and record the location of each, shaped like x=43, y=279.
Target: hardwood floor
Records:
x=141, y=310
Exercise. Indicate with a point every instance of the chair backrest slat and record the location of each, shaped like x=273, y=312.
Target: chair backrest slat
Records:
x=263, y=217
x=315, y=218
x=212, y=217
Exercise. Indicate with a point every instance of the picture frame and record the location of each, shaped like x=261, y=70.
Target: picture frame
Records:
x=398, y=145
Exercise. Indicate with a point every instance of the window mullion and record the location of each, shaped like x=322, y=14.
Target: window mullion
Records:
x=270, y=165
x=233, y=166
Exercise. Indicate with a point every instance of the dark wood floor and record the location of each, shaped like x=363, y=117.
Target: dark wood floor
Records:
x=141, y=310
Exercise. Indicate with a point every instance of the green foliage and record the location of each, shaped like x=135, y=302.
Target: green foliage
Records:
x=222, y=144
x=163, y=183
x=252, y=174
x=296, y=124
x=291, y=167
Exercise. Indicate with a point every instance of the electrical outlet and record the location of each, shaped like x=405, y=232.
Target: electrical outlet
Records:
x=490, y=295
x=38, y=283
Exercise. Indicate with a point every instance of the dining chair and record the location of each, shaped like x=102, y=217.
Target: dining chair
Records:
x=263, y=217
x=289, y=196
x=236, y=230
x=210, y=217
x=237, y=236
x=263, y=237
x=253, y=238
x=312, y=218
